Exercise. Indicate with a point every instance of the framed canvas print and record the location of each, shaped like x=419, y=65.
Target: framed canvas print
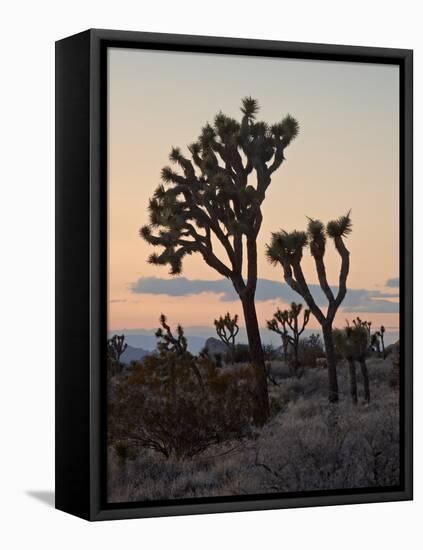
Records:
x=234, y=274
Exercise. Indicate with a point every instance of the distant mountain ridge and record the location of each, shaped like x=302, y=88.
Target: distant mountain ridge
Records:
x=133, y=354
x=144, y=342
x=215, y=346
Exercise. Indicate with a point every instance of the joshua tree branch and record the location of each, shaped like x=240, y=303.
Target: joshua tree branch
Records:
x=304, y=291
x=306, y=318
x=321, y=273
x=252, y=265
x=278, y=158
x=213, y=261
x=345, y=267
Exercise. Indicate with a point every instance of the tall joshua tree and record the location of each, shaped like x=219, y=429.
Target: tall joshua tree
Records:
x=290, y=318
x=227, y=329
x=209, y=206
x=287, y=249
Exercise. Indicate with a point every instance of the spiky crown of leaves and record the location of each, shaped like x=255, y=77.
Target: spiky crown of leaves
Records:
x=286, y=247
x=210, y=189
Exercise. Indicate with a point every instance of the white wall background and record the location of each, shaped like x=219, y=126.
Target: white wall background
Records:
x=28, y=32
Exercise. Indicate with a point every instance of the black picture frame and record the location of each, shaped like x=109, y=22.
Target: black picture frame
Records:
x=81, y=263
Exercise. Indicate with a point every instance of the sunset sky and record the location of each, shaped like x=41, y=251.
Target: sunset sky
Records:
x=345, y=157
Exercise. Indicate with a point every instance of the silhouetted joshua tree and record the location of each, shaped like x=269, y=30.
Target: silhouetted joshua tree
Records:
x=344, y=345
x=279, y=325
x=210, y=201
x=377, y=340
x=174, y=350
x=287, y=249
x=381, y=334
x=116, y=346
x=290, y=318
x=366, y=325
x=227, y=329
x=361, y=339
x=167, y=341
x=375, y=343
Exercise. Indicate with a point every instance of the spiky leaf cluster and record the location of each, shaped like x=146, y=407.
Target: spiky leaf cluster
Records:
x=286, y=247
x=341, y=227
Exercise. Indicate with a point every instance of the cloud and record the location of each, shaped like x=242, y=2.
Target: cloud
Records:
x=356, y=300
x=393, y=283
x=181, y=286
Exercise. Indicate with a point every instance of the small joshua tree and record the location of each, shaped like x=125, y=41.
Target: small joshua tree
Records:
x=353, y=343
x=375, y=342
x=310, y=349
x=173, y=351
x=287, y=249
x=378, y=341
x=116, y=346
x=279, y=325
x=290, y=318
x=381, y=333
x=167, y=341
x=215, y=197
x=344, y=345
x=227, y=329
x=361, y=340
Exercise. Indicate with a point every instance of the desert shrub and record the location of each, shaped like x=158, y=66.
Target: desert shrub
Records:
x=315, y=447
x=307, y=445
x=180, y=405
x=271, y=353
x=241, y=354
x=114, y=367
x=123, y=451
x=310, y=349
x=280, y=370
x=218, y=360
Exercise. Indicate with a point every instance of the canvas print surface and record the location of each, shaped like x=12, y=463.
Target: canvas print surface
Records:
x=253, y=276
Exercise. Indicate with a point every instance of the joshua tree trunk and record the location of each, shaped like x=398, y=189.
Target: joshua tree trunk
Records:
x=295, y=363
x=366, y=384
x=257, y=358
x=353, y=381
x=285, y=344
x=331, y=362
